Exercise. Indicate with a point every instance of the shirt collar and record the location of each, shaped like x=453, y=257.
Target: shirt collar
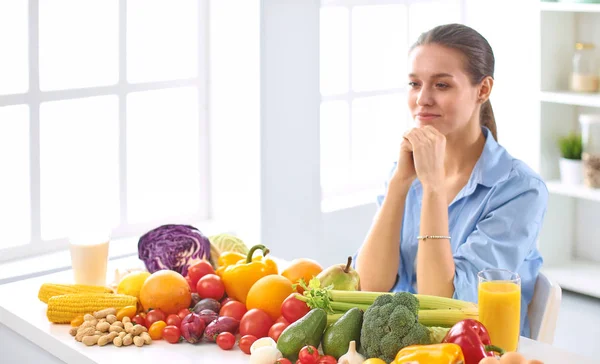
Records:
x=494, y=164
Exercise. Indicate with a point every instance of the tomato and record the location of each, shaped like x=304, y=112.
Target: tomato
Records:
x=282, y=319
x=256, y=322
x=233, y=309
x=139, y=320
x=183, y=313
x=283, y=361
x=276, y=330
x=128, y=311
x=191, y=284
x=211, y=286
x=308, y=355
x=293, y=309
x=156, y=330
x=155, y=315
x=171, y=334
x=226, y=340
x=225, y=300
x=173, y=320
x=327, y=359
x=246, y=342
x=199, y=270
x=143, y=314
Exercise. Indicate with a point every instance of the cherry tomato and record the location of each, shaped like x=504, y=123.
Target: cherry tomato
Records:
x=199, y=270
x=256, y=322
x=276, y=330
x=283, y=361
x=183, y=313
x=191, y=284
x=156, y=330
x=246, y=342
x=211, y=286
x=282, y=319
x=138, y=319
x=171, y=334
x=293, y=309
x=173, y=320
x=233, y=309
x=308, y=355
x=226, y=340
x=155, y=315
x=327, y=359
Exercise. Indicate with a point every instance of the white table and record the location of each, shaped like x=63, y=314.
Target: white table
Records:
x=23, y=313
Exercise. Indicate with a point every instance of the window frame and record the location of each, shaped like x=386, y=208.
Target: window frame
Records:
x=33, y=97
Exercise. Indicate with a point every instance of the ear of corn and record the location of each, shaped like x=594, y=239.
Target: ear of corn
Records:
x=48, y=290
x=62, y=309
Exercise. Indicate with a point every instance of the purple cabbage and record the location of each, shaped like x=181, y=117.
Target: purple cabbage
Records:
x=174, y=247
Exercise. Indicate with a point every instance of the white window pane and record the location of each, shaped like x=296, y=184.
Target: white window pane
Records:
x=163, y=173
x=14, y=168
x=335, y=145
x=162, y=40
x=377, y=126
x=334, y=43
x=14, y=75
x=79, y=165
x=379, y=47
x=426, y=15
x=79, y=43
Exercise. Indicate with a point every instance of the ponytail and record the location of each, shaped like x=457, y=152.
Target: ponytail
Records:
x=486, y=118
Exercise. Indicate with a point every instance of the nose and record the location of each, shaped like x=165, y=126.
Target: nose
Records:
x=425, y=97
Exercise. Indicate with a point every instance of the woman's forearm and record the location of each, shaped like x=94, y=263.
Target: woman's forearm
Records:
x=379, y=258
x=435, y=264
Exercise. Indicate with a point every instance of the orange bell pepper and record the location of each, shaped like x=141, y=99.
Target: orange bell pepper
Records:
x=239, y=278
x=226, y=259
x=431, y=354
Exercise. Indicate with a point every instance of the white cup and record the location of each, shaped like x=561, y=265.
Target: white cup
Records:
x=89, y=258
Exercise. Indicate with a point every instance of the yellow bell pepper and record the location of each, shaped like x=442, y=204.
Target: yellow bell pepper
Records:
x=239, y=278
x=226, y=259
x=431, y=354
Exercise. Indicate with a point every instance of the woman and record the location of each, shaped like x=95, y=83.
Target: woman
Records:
x=456, y=202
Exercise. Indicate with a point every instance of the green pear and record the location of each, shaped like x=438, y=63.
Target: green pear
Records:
x=341, y=276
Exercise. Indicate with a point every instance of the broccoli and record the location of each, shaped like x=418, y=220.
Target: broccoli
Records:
x=390, y=324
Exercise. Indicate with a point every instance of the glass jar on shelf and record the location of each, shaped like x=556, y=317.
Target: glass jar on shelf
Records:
x=590, y=137
x=584, y=72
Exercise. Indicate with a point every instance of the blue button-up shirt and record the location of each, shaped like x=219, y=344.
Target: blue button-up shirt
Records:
x=494, y=222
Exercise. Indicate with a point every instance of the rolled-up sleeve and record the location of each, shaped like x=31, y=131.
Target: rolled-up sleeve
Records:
x=505, y=235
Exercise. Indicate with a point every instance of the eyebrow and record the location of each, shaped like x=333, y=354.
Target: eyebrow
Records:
x=437, y=75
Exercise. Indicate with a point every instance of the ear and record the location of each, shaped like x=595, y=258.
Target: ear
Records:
x=485, y=89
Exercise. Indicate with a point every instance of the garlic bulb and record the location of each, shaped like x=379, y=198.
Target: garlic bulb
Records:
x=265, y=355
x=352, y=356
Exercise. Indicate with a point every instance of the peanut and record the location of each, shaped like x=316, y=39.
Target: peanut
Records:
x=103, y=326
x=89, y=331
x=122, y=334
x=118, y=323
x=126, y=319
x=103, y=313
x=146, y=337
x=117, y=341
x=87, y=324
x=127, y=340
x=115, y=328
x=90, y=340
x=98, y=332
x=107, y=338
x=88, y=317
x=128, y=327
x=137, y=330
x=111, y=319
x=138, y=341
x=102, y=320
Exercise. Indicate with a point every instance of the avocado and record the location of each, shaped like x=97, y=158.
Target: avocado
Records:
x=347, y=328
x=306, y=331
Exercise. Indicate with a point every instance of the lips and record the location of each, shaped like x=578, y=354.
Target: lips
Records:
x=425, y=116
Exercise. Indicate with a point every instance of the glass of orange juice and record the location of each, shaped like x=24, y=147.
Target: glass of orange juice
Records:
x=89, y=258
x=500, y=306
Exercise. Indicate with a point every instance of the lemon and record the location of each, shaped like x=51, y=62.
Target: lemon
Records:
x=132, y=283
x=374, y=361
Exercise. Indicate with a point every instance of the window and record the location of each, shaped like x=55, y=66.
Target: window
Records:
x=363, y=49
x=102, y=118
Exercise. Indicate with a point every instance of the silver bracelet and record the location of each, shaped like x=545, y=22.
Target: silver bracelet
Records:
x=425, y=237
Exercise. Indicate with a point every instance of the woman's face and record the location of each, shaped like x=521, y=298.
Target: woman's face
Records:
x=440, y=93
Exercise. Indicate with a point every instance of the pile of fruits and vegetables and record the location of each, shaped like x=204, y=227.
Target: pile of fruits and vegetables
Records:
x=204, y=291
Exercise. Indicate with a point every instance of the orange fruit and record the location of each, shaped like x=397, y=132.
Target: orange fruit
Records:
x=302, y=268
x=268, y=293
x=167, y=290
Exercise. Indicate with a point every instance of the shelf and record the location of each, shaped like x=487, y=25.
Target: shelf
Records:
x=571, y=98
x=578, y=191
x=577, y=275
x=570, y=7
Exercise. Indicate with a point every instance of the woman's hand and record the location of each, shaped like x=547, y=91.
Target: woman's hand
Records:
x=428, y=148
x=405, y=170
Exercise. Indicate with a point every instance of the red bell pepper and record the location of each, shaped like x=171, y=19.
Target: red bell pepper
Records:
x=473, y=339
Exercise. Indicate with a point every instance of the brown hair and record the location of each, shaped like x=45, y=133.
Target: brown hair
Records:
x=478, y=54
